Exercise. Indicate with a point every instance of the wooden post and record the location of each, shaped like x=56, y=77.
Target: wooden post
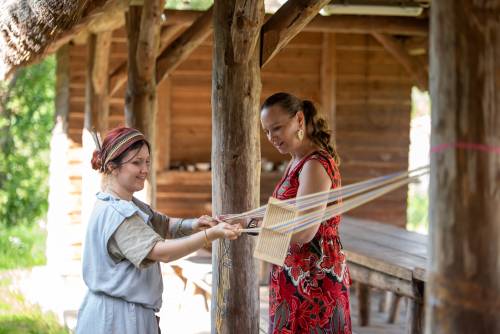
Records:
x=143, y=31
x=58, y=215
x=162, y=154
x=363, y=292
x=96, y=89
x=96, y=114
x=415, y=310
x=394, y=308
x=62, y=92
x=328, y=79
x=463, y=285
x=236, y=173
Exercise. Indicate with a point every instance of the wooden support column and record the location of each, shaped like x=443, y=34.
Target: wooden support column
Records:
x=463, y=285
x=364, y=300
x=96, y=89
x=285, y=24
x=416, y=70
x=58, y=215
x=236, y=92
x=143, y=31
x=164, y=142
x=328, y=79
x=96, y=114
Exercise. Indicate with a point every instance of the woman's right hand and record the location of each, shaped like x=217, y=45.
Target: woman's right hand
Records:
x=224, y=230
x=240, y=223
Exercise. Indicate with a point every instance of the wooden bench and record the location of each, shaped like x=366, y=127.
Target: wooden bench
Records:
x=387, y=258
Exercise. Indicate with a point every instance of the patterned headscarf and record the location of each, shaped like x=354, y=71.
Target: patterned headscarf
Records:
x=116, y=142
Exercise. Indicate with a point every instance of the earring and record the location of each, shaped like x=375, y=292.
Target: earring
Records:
x=300, y=134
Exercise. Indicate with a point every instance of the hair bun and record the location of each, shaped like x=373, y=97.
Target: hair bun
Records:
x=96, y=160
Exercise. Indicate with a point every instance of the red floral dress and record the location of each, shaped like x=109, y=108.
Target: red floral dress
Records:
x=310, y=293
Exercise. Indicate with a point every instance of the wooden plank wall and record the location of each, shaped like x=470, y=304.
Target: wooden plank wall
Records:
x=373, y=116
x=295, y=70
x=373, y=121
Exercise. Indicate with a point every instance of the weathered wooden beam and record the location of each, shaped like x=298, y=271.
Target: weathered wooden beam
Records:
x=381, y=280
x=96, y=91
x=354, y=24
x=360, y=24
x=143, y=32
x=463, y=286
x=149, y=40
x=119, y=76
x=285, y=24
x=245, y=29
x=416, y=70
x=183, y=45
x=235, y=166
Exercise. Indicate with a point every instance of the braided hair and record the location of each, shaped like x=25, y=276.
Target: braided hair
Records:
x=320, y=134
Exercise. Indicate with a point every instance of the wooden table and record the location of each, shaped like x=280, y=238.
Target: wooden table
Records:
x=388, y=258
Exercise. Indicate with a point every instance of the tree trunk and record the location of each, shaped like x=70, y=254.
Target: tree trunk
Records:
x=463, y=290
x=236, y=176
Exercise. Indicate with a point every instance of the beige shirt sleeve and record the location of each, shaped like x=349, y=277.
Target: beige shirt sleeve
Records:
x=133, y=240
x=159, y=221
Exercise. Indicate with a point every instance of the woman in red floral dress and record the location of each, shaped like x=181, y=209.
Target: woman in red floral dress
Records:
x=310, y=293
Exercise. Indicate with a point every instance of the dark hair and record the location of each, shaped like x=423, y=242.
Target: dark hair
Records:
x=320, y=134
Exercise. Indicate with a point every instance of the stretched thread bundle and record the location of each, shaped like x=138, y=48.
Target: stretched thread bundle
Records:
x=339, y=196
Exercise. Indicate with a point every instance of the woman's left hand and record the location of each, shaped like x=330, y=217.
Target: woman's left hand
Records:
x=203, y=223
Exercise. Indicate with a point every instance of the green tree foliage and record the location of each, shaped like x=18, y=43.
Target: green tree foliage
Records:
x=189, y=4
x=26, y=121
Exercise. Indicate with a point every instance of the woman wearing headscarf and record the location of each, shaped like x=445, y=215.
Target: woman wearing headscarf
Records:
x=126, y=240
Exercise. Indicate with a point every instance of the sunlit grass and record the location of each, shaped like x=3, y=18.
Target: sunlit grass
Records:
x=19, y=317
x=22, y=246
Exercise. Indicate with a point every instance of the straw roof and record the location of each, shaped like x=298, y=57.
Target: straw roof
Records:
x=29, y=26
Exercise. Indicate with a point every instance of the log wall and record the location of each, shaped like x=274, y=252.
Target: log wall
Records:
x=372, y=121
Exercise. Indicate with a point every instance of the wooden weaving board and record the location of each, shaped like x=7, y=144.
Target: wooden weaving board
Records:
x=272, y=246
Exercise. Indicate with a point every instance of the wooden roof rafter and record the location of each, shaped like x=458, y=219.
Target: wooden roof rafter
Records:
x=416, y=70
x=183, y=45
x=409, y=26
x=118, y=77
x=285, y=24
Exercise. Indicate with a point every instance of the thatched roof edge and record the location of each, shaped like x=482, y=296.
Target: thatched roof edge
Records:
x=28, y=27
